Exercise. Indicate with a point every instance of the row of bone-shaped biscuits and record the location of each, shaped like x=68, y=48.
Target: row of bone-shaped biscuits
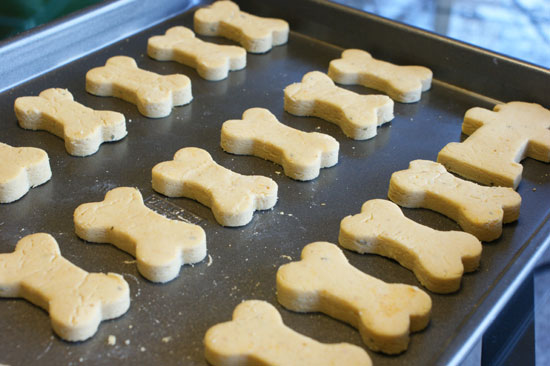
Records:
x=322, y=281
x=77, y=301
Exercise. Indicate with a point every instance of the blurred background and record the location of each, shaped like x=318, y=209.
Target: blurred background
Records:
x=517, y=28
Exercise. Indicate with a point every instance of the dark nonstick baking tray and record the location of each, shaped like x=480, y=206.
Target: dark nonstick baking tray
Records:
x=166, y=323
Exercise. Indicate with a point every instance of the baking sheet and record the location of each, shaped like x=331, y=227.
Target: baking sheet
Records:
x=166, y=323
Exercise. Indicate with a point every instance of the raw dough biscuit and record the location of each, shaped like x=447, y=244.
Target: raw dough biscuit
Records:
x=212, y=61
x=478, y=210
x=22, y=168
x=498, y=141
x=160, y=245
x=155, y=95
x=404, y=84
x=232, y=197
x=257, y=336
x=357, y=115
x=437, y=258
x=325, y=281
x=82, y=128
x=259, y=133
x=256, y=34
x=76, y=300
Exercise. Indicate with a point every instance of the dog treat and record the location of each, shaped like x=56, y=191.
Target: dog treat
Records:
x=22, y=168
x=256, y=34
x=324, y=281
x=259, y=133
x=498, y=141
x=257, y=336
x=76, y=300
x=212, y=61
x=404, y=84
x=82, y=128
x=437, y=258
x=357, y=115
x=478, y=210
x=155, y=95
x=160, y=245
x=232, y=197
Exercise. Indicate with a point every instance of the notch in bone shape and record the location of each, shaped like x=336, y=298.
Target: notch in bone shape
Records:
x=76, y=300
x=357, y=115
x=404, y=84
x=22, y=169
x=498, y=141
x=259, y=133
x=256, y=34
x=257, y=336
x=324, y=281
x=82, y=128
x=160, y=245
x=155, y=95
x=437, y=258
x=478, y=210
x=212, y=61
x=232, y=197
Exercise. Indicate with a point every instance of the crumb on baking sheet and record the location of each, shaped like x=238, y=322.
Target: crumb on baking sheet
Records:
x=111, y=340
x=166, y=339
x=127, y=342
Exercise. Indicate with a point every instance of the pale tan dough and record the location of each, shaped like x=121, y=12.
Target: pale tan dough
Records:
x=232, y=197
x=357, y=115
x=257, y=336
x=404, y=84
x=259, y=133
x=155, y=95
x=160, y=245
x=82, y=128
x=256, y=34
x=498, y=141
x=22, y=168
x=324, y=281
x=212, y=61
x=437, y=258
x=76, y=300
x=478, y=210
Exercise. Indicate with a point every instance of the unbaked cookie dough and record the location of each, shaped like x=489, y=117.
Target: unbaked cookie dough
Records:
x=22, y=168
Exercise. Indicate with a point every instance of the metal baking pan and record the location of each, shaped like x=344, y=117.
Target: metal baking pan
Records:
x=166, y=323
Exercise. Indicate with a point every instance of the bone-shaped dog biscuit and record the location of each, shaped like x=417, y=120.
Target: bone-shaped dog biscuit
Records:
x=257, y=336
x=437, y=258
x=498, y=141
x=324, y=281
x=212, y=61
x=76, y=300
x=256, y=34
x=357, y=115
x=259, y=133
x=404, y=84
x=160, y=245
x=478, y=210
x=155, y=95
x=232, y=197
x=82, y=128
x=22, y=168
